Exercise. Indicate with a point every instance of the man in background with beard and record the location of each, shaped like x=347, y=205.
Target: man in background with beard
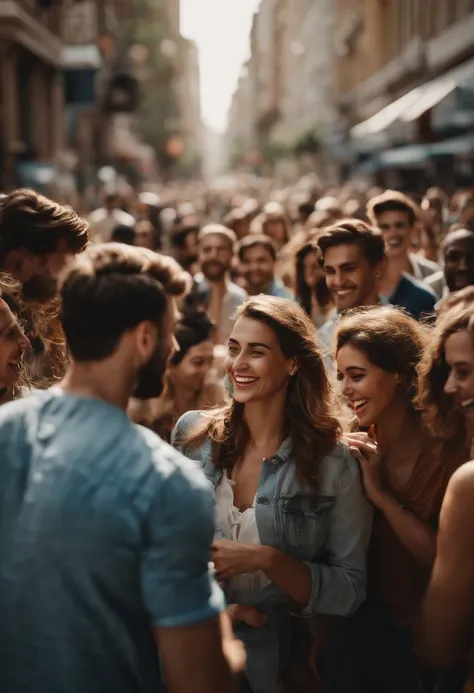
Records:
x=106, y=530
x=216, y=292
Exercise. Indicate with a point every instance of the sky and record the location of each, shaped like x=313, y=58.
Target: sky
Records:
x=221, y=29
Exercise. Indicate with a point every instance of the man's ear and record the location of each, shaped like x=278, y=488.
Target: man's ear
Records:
x=145, y=335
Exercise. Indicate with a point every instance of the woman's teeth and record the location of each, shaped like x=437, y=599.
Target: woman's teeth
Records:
x=244, y=381
x=468, y=404
x=358, y=403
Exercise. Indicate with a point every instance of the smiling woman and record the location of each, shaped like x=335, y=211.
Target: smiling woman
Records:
x=292, y=523
x=13, y=342
x=405, y=472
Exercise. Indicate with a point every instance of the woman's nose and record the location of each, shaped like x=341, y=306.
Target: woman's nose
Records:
x=450, y=385
x=346, y=388
x=24, y=342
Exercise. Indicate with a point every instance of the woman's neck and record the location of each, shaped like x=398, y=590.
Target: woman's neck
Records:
x=398, y=428
x=266, y=423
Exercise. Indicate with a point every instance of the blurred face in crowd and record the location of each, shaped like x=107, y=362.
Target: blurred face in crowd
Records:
x=151, y=374
x=397, y=232
x=313, y=272
x=144, y=235
x=215, y=256
x=350, y=277
x=191, y=371
x=258, y=269
x=276, y=229
x=459, y=263
x=37, y=273
x=255, y=363
x=370, y=390
x=459, y=352
x=13, y=344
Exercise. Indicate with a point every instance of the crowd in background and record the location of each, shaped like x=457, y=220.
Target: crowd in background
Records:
x=327, y=335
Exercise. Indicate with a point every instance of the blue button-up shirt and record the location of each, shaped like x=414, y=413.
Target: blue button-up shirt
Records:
x=105, y=533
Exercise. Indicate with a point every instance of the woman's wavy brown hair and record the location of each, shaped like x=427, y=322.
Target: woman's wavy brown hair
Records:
x=389, y=338
x=47, y=361
x=312, y=411
x=440, y=416
x=10, y=293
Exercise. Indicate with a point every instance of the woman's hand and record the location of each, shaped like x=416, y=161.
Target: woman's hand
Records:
x=232, y=558
x=367, y=453
x=247, y=614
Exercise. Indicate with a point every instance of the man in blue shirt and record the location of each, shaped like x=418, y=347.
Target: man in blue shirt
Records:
x=105, y=538
x=258, y=261
x=403, y=281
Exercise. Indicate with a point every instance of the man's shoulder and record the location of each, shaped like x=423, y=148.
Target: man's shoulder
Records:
x=280, y=290
x=414, y=285
x=123, y=217
x=427, y=267
x=236, y=292
x=325, y=331
x=170, y=466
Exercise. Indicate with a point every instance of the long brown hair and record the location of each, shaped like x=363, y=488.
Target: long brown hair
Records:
x=312, y=411
x=303, y=291
x=440, y=416
x=390, y=339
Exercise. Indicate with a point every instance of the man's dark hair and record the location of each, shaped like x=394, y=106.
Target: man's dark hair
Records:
x=194, y=327
x=354, y=232
x=391, y=201
x=34, y=222
x=180, y=234
x=253, y=241
x=110, y=289
x=123, y=234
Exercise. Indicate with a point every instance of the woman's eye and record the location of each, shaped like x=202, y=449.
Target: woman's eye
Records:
x=356, y=378
x=256, y=353
x=462, y=375
x=232, y=350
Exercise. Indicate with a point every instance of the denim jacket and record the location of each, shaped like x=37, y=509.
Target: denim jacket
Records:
x=328, y=531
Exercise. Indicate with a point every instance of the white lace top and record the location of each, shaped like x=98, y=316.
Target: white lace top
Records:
x=233, y=524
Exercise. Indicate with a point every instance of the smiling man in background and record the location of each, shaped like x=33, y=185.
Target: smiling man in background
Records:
x=402, y=283
x=218, y=294
x=353, y=260
x=258, y=259
x=458, y=260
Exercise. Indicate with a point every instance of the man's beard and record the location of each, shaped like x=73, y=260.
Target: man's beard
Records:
x=217, y=270
x=150, y=380
x=40, y=289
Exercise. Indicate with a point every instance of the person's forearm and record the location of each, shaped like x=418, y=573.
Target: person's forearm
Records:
x=292, y=576
x=233, y=649
x=416, y=535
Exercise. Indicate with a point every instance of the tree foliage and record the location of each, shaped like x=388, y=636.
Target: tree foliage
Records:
x=159, y=110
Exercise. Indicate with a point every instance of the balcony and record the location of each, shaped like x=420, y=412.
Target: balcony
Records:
x=45, y=12
x=34, y=24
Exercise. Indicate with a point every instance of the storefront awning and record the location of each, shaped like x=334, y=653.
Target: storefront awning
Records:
x=412, y=105
x=411, y=156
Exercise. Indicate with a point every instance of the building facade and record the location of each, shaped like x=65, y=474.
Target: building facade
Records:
x=386, y=48
x=30, y=73
x=291, y=71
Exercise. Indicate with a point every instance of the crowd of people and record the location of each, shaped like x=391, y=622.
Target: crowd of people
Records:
x=237, y=433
